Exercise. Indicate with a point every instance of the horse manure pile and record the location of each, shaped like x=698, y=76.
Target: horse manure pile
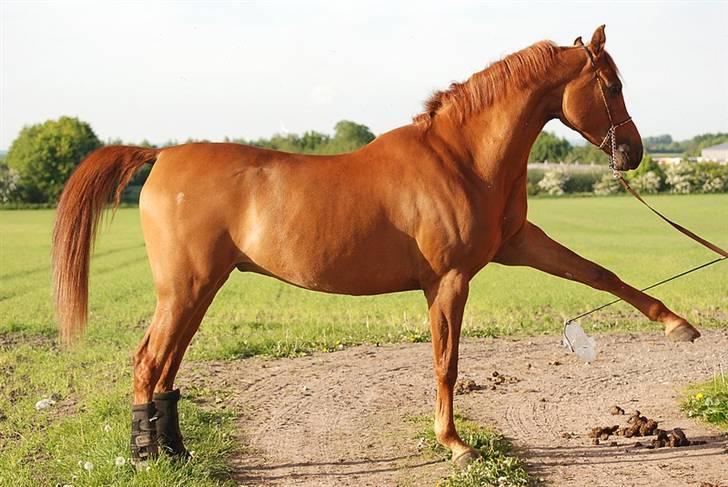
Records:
x=498, y=379
x=466, y=386
x=640, y=426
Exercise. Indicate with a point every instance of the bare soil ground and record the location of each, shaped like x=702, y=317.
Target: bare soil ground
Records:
x=342, y=418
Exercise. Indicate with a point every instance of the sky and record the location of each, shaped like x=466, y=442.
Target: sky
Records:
x=174, y=70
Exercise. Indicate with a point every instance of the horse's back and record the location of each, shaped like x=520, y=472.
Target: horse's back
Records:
x=321, y=222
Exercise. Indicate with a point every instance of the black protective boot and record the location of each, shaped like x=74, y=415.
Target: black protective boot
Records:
x=169, y=436
x=143, y=433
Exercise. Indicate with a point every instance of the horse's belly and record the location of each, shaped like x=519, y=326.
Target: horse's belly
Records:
x=340, y=261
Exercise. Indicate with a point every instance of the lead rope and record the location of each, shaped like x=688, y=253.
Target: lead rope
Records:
x=611, y=137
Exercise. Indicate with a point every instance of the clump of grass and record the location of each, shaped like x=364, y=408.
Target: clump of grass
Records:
x=497, y=467
x=83, y=438
x=709, y=401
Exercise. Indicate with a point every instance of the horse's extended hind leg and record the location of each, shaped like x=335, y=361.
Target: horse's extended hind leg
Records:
x=186, y=280
x=532, y=247
x=446, y=300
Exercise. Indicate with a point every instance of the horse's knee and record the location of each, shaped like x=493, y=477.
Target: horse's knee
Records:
x=446, y=375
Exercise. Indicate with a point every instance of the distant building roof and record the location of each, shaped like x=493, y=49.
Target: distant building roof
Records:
x=723, y=146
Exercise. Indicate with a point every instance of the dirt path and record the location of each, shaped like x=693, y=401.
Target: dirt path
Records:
x=341, y=418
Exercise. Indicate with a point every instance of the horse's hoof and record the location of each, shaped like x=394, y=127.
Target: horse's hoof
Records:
x=465, y=458
x=683, y=333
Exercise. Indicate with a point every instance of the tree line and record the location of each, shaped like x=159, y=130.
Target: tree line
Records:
x=551, y=148
x=686, y=148
x=44, y=155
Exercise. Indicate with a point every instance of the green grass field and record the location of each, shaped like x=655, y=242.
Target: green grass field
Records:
x=255, y=315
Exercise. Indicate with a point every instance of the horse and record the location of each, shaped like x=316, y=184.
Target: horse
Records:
x=422, y=207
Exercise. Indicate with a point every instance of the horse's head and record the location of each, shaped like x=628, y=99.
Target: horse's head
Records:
x=593, y=105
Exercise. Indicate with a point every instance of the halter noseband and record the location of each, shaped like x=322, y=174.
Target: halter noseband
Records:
x=611, y=132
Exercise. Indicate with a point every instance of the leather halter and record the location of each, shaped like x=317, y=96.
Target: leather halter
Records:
x=611, y=134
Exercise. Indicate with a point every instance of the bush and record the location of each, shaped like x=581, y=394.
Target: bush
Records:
x=607, y=185
x=681, y=178
x=648, y=182
x=715, y=185
x=553, y=182
x=9, y=184
x=583, y=181
x=647, y=165
x=697, y=177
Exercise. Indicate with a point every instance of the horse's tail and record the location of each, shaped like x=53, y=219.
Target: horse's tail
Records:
x=104, y=173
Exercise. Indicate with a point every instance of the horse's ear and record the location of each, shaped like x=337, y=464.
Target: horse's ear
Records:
x=578, y=41
x=598, y=40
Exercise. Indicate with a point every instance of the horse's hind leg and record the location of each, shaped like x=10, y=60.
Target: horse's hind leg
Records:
x=446, y=300
x=166, y=397
x=186, y=280
x=532, y=247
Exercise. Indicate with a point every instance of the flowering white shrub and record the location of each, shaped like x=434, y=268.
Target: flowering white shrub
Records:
x=681, y=178
x=649, y=182
x=9, y=184
x=607, y=185
x=716, y=184
x=553, y=182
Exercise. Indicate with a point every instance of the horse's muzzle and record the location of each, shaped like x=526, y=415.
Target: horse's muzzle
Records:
x=627, y=158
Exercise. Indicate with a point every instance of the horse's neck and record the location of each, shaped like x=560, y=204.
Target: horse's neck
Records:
x=499, y=138
x=508, y=130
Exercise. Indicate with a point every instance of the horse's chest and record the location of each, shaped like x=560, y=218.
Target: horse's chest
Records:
x=470, y=235
x=465, y=239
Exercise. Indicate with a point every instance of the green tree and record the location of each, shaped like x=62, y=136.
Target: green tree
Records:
x=549, y=147
x=44, y=155
x=586, y=154
x=349, y=136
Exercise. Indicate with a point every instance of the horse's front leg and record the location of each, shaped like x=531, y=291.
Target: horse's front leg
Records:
x=446, y=299
x=532, y=247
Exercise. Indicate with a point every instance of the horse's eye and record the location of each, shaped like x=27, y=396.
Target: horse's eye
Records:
x=615, y=89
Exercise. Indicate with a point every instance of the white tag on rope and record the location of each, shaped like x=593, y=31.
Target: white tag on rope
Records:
x=577, y=341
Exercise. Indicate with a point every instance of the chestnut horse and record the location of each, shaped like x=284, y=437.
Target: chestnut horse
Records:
x=425, y=206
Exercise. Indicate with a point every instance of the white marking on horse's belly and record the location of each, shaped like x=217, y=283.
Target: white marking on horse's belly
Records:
x=180, y=198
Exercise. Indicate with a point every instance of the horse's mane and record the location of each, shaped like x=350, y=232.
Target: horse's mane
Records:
x=519, y=69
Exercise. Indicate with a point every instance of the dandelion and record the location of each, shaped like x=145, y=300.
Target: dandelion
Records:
x=88, y=466
x=699, y=396
x=120, y=461
x=107, y=428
